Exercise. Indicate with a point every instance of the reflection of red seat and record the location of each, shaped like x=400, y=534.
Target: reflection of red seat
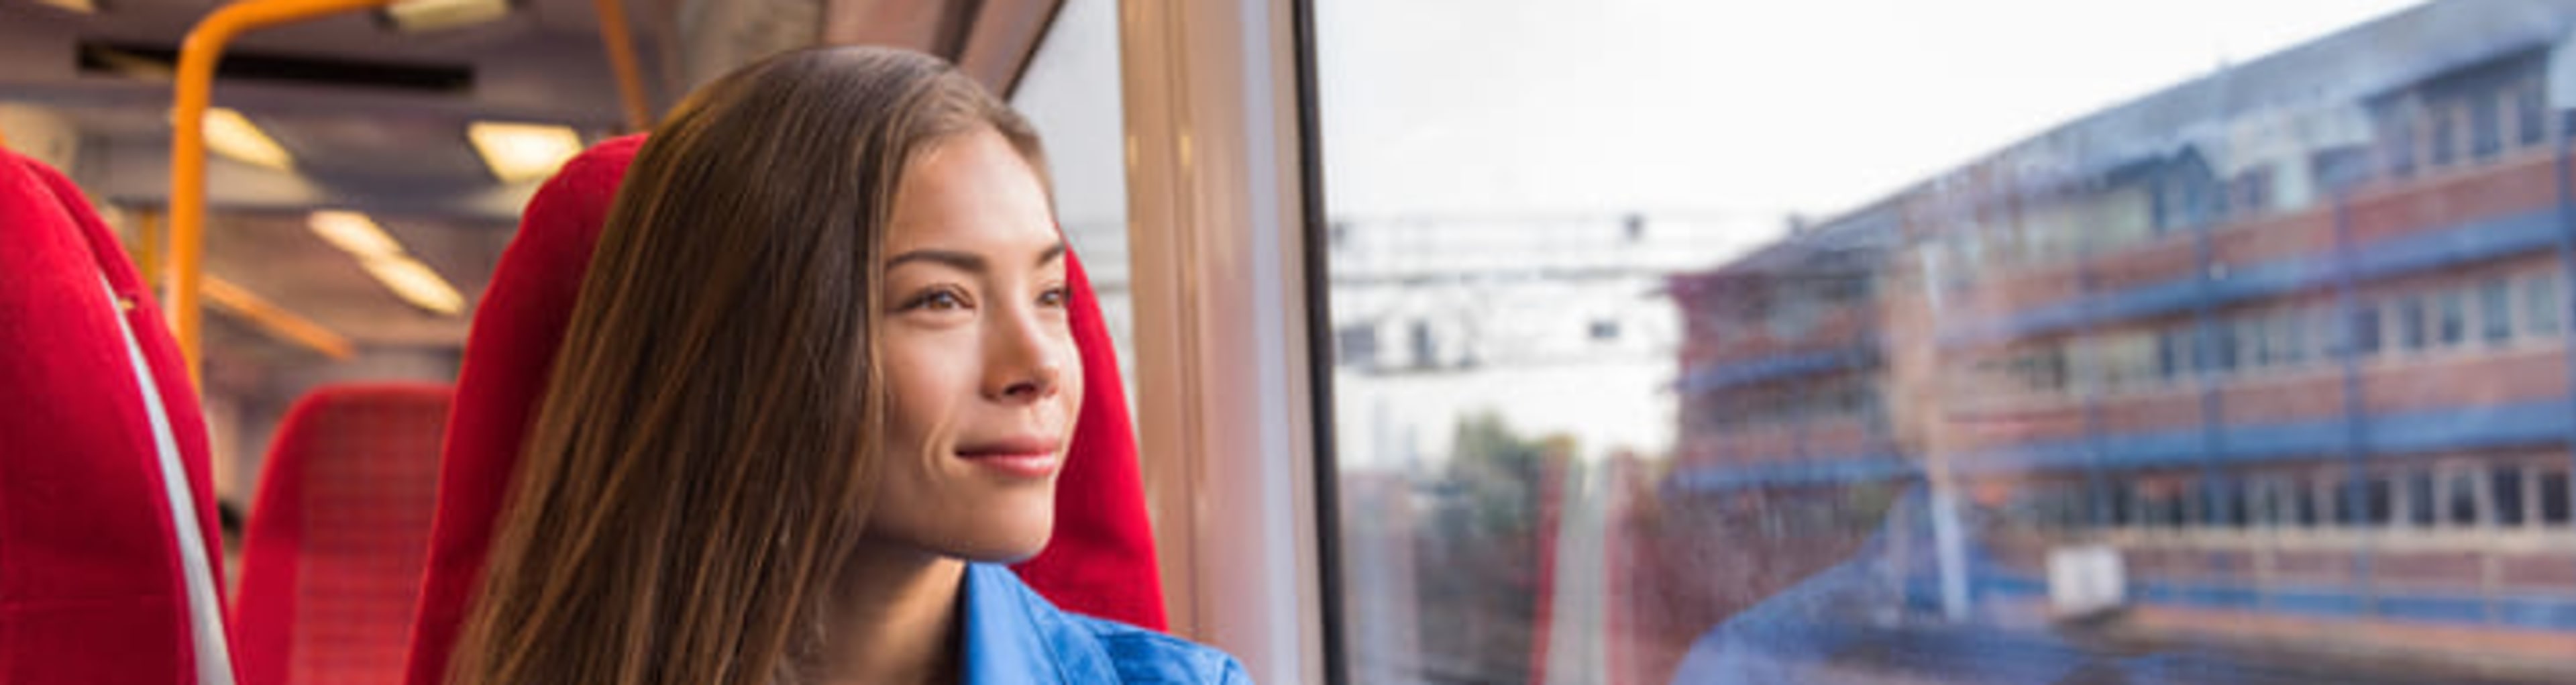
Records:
x=1101, y=561
x=332, y=563
x=101, y=577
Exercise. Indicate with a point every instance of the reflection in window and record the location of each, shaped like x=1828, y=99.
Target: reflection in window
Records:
x=2193, y=335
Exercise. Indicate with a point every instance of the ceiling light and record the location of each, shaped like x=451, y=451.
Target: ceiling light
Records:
x=440, y=15
x=355, y=234
x=415, y=283
x=232, y=135
x=523, y=152
x=383, y=257
x=81, y=6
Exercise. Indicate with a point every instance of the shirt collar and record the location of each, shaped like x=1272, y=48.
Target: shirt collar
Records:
x=1014, y=636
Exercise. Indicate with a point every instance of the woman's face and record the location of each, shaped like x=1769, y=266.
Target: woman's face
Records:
x=977, y=354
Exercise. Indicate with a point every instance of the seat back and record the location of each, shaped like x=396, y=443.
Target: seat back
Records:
x=1100, y=561
x=331, y=565
x=107, y=519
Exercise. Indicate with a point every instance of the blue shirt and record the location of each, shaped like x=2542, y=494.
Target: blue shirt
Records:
x=1015, y=636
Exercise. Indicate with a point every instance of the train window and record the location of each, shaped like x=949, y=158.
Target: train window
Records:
x=1862, y=390
x=1069, y=92
x=2507, y=492
x=2495, y=310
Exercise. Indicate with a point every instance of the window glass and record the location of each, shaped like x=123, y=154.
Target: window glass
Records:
x=2507, y=490
x=2414, y=322
x=2451, y=305
x=1069, y=92
x=2541, y=304
x=2495, y=310
x=2365, y=329
x=2419, y=497
x=2553, y=496
x=1844, y=341
x=2461, y=498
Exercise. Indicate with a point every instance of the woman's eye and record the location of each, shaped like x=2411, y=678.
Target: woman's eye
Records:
x=1056, y=296
x=942, y=299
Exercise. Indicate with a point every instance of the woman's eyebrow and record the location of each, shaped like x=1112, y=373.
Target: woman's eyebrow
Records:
x=962, y=261
x=967, y=261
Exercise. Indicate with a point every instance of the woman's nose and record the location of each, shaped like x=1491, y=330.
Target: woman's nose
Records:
x=1026, y=362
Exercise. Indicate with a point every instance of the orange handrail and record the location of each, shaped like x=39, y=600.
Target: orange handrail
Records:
x=621, y=59
x=196, y=81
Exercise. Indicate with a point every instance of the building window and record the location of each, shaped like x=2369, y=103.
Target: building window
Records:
x=2399, y=142
x=2460, y=499
x=2507, y=491
x=2486, y=128
x=2364, y=331
x=2260, y=504
x=2553, y=497
x=2495, y=310
x=2414, y=324
x=2290, y=339
x=2530, y=115
x=2445, y=147
x=2173, y=353
x=2540, y=305
x=2453, y=308
x=2379, y=502
x=2419, y=497
x=2310, y=507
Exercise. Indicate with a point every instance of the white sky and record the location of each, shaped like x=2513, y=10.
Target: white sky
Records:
x=1735, y=108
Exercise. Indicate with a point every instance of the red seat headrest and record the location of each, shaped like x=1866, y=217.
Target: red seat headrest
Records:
x=91, y=578
x=1100, y=561
x=331, y=564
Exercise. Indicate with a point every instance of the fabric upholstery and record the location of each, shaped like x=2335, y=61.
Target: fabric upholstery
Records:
x=91, y=580
x=1100, y=561
x=331, y=565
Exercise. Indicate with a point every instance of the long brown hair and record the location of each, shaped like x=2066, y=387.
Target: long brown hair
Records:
x=704, y=459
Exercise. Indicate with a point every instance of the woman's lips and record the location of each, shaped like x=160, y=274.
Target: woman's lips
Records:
x=1017, y=457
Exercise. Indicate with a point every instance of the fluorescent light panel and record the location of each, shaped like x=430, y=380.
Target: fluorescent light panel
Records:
x=384, y=259
x=81, y=6
x=440, y=15
x=355, y=234
x=522, y=152
x=230, y=134
x=415, y=283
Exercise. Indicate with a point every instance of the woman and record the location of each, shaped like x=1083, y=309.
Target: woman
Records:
x=815, y=389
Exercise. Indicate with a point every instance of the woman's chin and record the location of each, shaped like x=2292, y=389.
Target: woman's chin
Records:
x=1006, y=544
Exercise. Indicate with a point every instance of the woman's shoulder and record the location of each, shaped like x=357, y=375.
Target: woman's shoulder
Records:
x=1014, y=635
x=1145, y=656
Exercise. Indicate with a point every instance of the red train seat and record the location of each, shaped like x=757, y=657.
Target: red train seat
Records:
x=331, y=565
x=107, y=517
x=1100, y=561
